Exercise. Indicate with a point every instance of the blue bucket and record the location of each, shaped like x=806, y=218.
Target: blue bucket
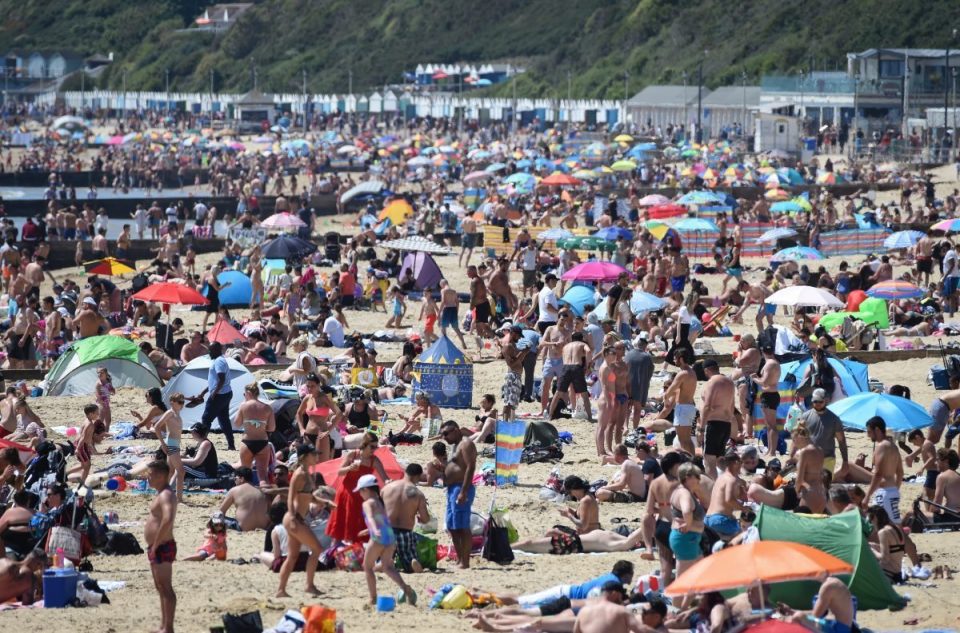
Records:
x=386, y=603
x=59, y=587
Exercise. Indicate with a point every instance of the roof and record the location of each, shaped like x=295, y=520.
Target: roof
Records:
x=663, y=95
x=733, y=96
x=255, y=97
x=443, y=352
x=46, y=52
x=929, y=53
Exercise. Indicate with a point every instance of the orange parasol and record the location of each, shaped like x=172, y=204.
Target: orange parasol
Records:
x=758, y=562
x=224, y=333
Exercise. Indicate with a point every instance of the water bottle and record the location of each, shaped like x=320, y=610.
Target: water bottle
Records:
x=58, y=558
x=440, y=595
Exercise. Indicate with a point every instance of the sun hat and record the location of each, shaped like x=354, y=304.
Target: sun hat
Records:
x=366, y=481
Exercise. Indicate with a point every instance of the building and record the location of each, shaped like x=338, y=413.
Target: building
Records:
x=255, y=108
x=730, y=105
x=778, y=132
x=42, y=64
x=469, y=75
x=221, y=17
x=822, y=98
x=663, y=105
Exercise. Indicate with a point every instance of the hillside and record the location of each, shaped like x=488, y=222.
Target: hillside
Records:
x=591, y=41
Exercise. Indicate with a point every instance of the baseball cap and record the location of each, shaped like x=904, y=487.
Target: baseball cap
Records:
x=818, y=395
x=90, y=301
x=366, y=481
x=773, y=464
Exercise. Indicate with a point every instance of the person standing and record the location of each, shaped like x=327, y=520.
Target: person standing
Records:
x=551, y=348
x=726, y=498
x=212, y=295
x=512, y=384
x=679, y=395
x=529, y=343
x=458, y=478
x=826, y=432
x=884, y=490
x=480, y=304
x=346, y=521
x=219, y=394
x=469, y=228
x=406, y=505
x=639, y=372
x=951, y=279
x=767, y=381
x=449, y=302
x=161, y=548
x=547, y=304
x=716, y=410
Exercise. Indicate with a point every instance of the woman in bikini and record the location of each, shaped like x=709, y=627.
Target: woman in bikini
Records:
x=891, y=541
x=299, y=497
x=314, y=416
x=145, y=423
x=258, y=422
x=169, y=428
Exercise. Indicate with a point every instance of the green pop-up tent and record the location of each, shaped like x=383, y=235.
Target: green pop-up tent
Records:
x=840, y=535
x=872, y=311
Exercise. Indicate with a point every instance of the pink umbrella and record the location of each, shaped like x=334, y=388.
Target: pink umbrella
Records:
x=595, y=271
x=282, y=221
x=477, y=176
x=653, y=200
x=115, y=140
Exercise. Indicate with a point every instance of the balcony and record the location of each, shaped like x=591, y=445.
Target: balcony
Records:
x=810, y=85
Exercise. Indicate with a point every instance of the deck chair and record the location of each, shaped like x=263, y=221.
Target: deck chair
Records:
x=919, y=521
x=713, y=321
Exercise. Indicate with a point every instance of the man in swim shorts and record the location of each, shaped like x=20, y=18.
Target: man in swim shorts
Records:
x=884, y=487
x=458, y=478
x=719, y=395
x=941, y=409
x=680, y=394
x=158, y=534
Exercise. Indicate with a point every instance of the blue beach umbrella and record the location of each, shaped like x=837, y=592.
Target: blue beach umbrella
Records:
x=578, y=297
x=903, y=239
x=691, y=225
x=900, y=414
x=614, y=233
x=642, y=302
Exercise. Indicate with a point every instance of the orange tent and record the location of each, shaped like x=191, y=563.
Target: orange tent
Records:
x=225, y=334
x=330, y=467
x=752, y=563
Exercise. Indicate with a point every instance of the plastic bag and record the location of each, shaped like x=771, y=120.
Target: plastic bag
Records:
x=793, y=417
x=350, y=557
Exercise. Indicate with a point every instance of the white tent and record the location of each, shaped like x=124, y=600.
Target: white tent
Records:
x=193, y=379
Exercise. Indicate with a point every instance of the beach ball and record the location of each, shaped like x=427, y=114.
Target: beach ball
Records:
x=72, y=431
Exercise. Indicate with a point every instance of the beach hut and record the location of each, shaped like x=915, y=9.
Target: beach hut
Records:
x=445, y=374
x=193, y=379
x=75, y=372
x=425, y=270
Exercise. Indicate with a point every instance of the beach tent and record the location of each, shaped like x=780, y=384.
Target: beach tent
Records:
x=386, y=456
x=425, y=270
x=237, y=294
x=578, y=297
x=193, y=379
x=841, y=535
x=445, y=374
x=75, y=372
x=872, y=311
x=853, y=376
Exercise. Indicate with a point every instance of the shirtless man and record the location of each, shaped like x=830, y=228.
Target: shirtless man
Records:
x=252, y=504
x=469, y=237
x=923, y=251
x=747, y=364
x=161, y=548
x=499, y=286
x=716, y=410
x=680, y=269
x=449, y=303
x=458, y=479
x=679, y=395
x=606, y=614
x=551, y=347
x=887, y=476
x=629, y=484
x=88, y=321
x=512, y=383
x=947, y=491
x=622, y=399
x=726, y=498
x=405, y=505
x=8, y=412
x=767, y=381
x=573, y=373
x=657, y=516
x=18, y=580
x=480, y=303
x=756, y=295
x=33, y=274
x=941, y=410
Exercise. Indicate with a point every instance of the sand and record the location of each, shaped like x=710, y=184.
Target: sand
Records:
x=207, y=590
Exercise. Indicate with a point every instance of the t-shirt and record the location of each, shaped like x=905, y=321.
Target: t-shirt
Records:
x=218, y=366
x=528, y=259
x=950, y=259
x=200, y=211
x=651, y=467
x=347, y=284
x=823, y=427
x=547, y=305
x=529, y=339
x=334, y=331
x=581, y=591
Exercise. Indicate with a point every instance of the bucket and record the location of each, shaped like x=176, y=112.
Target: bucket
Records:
x=386, y=603
x=59, y=587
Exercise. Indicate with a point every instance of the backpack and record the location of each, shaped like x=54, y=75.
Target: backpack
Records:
x=122, y=544
x=952, y=365
x=140, y=282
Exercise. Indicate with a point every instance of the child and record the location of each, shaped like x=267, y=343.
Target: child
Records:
x=399, y=308
x=428, y=316
x=104, y=391
x=169, y=428
x=382, y=543
x=90, y=433
x=30, y=429
x=78, y=254
x=215, y=541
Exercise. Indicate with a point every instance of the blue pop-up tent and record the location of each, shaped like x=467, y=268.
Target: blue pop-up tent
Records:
x=445, y=374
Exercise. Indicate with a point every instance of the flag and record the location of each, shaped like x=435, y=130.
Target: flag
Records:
x=509, y=448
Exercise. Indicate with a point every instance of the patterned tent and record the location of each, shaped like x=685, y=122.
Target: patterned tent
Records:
x=445, y=374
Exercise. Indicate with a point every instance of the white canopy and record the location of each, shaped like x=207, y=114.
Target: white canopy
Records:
x=806, y=296
x=417, y=243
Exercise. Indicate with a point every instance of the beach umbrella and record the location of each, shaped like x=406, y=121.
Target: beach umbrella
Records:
x=528, y=181
x=642, y=302
x=853, y=375
x=699, y=198
x=662, y=211
x=287, y=247
x=477, y=176
x=595, y=271
x=587, y=243
x=803, y=201
x=225, y=334
x=776, y=194
x=494, y=167
x=951, y=225
x=754, y=563
x=347, y=149
x=826, y=178
x=623, y=138
x=773, y=235
x=282, y=221
x=900, y=414
x=578, y=297
x=903, y=239
x=109, y=266
x=554, y=233
x=559, y=179
x=397, y=212
x=775, y=626
x=171, y=293
x=691, y=225
x=796, y=253
x=786, y=206
x=418, y=161
x=657, y=228
x=806, y=296
x=895, y=289
x=653, y=200
x=585, y=174
x=623, y=165
x=614, y=233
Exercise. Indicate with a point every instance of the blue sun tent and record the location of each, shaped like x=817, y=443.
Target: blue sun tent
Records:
x=237, y=294
x=445, y=374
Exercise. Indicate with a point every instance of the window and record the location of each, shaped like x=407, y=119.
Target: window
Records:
x=891, y=68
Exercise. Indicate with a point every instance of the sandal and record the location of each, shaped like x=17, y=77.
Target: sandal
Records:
x=616, y=520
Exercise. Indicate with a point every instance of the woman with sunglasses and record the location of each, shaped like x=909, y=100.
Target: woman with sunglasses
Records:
x=315, y=417
x=346, y=522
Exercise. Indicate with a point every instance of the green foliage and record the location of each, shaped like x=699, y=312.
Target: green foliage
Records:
x=593, y=41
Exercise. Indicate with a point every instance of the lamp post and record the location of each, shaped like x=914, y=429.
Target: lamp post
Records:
x=626, y=94
x=686, y=122
x=802, y=112
x=946, y=81
x=166, y=96
x=856, y=115
x=743, y=118
x=304, y=101
x=699, y=135
x=123, y=105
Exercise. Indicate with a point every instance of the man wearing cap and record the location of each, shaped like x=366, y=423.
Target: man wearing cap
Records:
x=826, y=431
x=768, y=383
x=639, y=372
x=717, y=411
x=88, y=321
x=607, y=614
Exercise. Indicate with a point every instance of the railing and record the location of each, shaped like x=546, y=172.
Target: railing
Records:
x=813, y=85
